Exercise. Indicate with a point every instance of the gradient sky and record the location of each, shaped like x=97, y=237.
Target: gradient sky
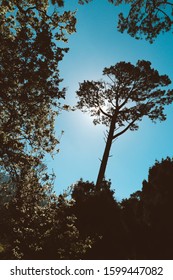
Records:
x=95, y=45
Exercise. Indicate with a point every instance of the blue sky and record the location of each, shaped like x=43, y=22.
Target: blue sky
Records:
x=95, y=45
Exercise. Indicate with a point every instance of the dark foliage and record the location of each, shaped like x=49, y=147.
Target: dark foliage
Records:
x=140, y=227
x=146, y=18
x=34, y=222
x=32, y=217
x=148, y=214
x=131, y=93
x=37, y=224
x=98, y=215
x=31, y=51
x=156, y=196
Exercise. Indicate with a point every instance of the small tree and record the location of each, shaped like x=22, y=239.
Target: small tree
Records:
x=130, y=93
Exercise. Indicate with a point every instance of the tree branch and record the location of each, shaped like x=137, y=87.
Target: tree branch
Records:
x=128, y=96
x=32, y=8
x=110, y=78
x=165, y=14
x=167, y=3
x=104, y=113
x=125, y=129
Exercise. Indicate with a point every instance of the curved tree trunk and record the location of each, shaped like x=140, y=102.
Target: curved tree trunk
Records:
x=105, y=157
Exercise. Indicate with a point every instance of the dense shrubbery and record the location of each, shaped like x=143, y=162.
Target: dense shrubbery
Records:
x=37, y=224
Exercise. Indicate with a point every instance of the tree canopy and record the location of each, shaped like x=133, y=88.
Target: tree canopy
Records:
x=31, y=51
x=32, y=36
x=129, y=93
x=36, y=223
x=148, y=214
x=146, y=18
x=98, y=216
x=143, y=18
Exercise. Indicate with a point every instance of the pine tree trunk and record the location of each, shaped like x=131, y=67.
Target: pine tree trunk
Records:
x=105, y=157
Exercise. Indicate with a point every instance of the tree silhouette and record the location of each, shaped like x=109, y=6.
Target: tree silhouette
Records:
x=156, y=197
x=137, y=230
x=88, y=206
x=98, y=216
x=30, y=81
x=147, y=215
x=146, y=18
x=129, y=93
x=30, y=35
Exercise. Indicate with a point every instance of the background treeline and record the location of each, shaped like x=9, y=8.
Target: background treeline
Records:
x=90, y=224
